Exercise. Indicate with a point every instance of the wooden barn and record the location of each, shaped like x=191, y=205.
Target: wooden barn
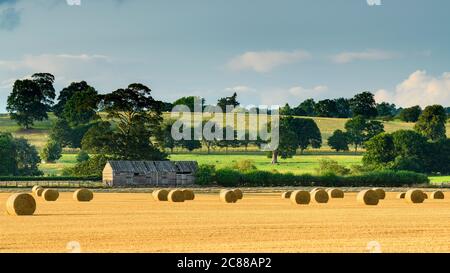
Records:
x=149, y=173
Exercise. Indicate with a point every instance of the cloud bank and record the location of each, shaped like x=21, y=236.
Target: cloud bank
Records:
x=265, y=61
x=419, y=88
x=367, y=55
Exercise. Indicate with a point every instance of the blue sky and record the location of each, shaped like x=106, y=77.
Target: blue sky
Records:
x=270, y=52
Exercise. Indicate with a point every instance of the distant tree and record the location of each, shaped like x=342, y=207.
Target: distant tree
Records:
x=27, y=158
x=386, y=110
x=380, y=151
x=356, y=131
x=82, y=156
x=360, y=130
x=296, y=133
x=410, y=114
x=411, y=150
x=306, y=108
x=18, y=157
x=167, y=107
x=286, y=110
x=92, y=167
x=343, y=108
x=30, y=99
x=308, y=134
x=339, y=141
x=364, y=104
x=432, y=123
x=190, y=144
x=228, y=101
x=288, y=142
x=7, y=154
x=210, y=143
x=439, y=156
x=190, y=102
x=326, y=108
x=51, y=152
x=373, y=128
x=164, y=136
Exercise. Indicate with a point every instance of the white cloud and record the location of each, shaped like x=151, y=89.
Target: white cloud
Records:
x=53, y=63
x=265, y=61
x=239, y=89
x=367, y=55
x=419, y=89
x=293, y=95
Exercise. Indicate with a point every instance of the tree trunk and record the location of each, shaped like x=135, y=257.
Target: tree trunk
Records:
x=275, y=157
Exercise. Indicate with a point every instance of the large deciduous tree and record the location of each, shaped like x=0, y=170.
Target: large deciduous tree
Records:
x=432, y=122
x=338, y=141
x=296, y=133
x=410, y=114
x=30, y=99
x=364, y=104
x=137, y=118
x=360, y=130
x=18, y=157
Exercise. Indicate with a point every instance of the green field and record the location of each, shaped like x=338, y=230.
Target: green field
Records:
x=298, y=164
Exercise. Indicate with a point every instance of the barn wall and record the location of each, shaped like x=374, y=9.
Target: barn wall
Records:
x=151, y=173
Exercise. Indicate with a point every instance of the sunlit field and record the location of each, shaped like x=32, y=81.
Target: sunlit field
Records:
x=134, y=222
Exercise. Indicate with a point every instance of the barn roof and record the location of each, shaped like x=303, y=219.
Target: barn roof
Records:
x=186, y=166
x=143, y=167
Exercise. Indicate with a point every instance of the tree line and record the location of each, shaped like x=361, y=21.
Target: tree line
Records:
x=128, y=124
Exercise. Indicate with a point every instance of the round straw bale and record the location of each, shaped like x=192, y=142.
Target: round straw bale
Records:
x=380, y=192
x=189, y=195
x=335, y=193
x=301, y=197
x=21, y=204
x=414, y=196
x=425, y=195
x=35, y=188
x=286, y=195
x=368, y=197
x=320, y=196
x=83, y=195
x=437, y=195
x=401, y=195
x=39, y=191
x=160, y=195
x=228, y=196
x=50, y=195
x=176, y=196
x=239, y=194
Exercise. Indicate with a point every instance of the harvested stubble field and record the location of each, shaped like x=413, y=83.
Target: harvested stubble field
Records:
x=134, y=222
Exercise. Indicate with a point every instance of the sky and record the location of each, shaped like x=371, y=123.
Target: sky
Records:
x=269, y=52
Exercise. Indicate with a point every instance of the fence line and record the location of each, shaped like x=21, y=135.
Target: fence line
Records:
x=50, y=184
